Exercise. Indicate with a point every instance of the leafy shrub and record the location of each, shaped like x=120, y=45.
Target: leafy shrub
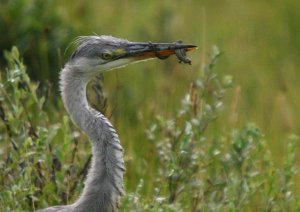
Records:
x=41, y=164
x=34, y=148
x=199, y=172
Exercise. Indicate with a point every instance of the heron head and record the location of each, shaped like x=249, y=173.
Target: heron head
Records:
x=96, y=54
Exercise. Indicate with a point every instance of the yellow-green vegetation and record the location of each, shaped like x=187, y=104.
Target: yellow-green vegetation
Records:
x=188, y=133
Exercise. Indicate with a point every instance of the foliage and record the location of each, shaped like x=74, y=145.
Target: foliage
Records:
x=196, y=171
x=231, y=172
x=39, y=160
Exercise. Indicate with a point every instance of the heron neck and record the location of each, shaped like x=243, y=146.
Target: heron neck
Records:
x=73, y=91
x=104, y=183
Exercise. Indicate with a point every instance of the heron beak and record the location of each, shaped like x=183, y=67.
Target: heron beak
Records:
x=143, y=50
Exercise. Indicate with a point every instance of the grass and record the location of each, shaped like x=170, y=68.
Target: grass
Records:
x=260, y=42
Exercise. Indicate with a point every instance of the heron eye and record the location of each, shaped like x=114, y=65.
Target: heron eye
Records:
x=106, y=55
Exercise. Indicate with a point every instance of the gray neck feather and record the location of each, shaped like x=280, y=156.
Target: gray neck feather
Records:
x=104, y=183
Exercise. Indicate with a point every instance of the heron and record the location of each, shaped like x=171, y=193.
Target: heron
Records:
x=94, y=55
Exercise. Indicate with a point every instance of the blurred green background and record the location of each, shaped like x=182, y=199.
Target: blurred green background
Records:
x=260, y=41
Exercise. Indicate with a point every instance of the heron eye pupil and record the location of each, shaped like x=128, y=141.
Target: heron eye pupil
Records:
x=106, y=55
